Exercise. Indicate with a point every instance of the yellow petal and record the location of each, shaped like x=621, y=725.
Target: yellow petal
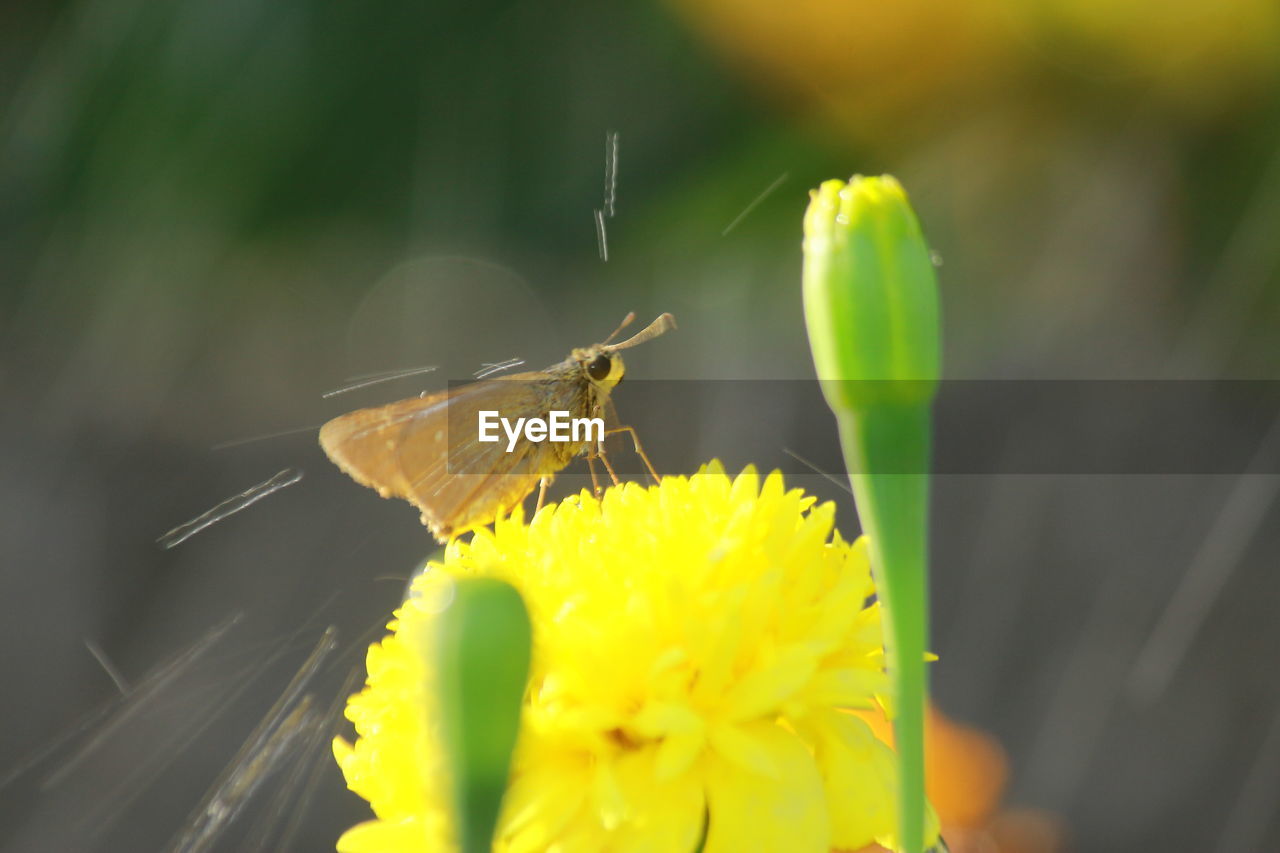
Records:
x=542, y=802
x=678, y=752
x=379, y=836
x=739, y=745
x=764, y=690
x=785, y=813
x=661, y=818
x=859, y=773
x=845, y=688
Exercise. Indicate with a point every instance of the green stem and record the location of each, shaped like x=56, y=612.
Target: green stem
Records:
x=887, y=450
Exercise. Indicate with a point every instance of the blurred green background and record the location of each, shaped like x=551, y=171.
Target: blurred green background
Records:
x=211, y=213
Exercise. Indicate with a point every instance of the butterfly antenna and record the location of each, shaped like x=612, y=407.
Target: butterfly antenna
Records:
x=626, y=321
x=663, y=324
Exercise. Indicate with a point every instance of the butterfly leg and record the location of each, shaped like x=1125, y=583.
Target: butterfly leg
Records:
x=635, y=440
x=604, y=457
x=595, y=481
x=542, y=493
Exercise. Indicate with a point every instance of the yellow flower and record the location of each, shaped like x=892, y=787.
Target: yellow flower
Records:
x=696, y=644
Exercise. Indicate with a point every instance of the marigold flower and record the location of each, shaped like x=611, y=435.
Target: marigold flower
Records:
x=695, y=645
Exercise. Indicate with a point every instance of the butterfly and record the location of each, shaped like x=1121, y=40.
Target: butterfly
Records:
x=427, y=449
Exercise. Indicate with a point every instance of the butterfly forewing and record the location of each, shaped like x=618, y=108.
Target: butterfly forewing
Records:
x=426, y=450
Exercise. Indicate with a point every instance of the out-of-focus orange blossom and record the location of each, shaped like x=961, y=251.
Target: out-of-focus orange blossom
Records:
x=882, y=71
x=1195, y=54
x=965, y=772
x=867, y=64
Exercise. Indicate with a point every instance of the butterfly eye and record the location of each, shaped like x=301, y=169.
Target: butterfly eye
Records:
x=599, y=367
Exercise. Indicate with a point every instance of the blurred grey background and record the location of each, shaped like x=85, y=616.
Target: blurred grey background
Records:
x=212, y=213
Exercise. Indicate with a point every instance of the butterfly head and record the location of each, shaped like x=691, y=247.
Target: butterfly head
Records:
x=602, y=367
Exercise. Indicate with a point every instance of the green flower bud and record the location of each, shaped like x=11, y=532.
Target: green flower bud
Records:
x=870, y=295
x=871, y=306
x=483, y=648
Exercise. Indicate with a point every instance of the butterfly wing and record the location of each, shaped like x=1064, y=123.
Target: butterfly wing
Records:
x=426, y=451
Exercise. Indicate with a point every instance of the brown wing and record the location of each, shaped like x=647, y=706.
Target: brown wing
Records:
x=425, y=450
